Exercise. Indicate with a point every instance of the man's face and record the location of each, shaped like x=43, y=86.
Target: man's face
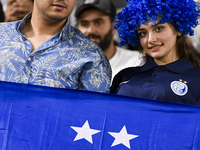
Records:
x=97, y=26
x=54, y=10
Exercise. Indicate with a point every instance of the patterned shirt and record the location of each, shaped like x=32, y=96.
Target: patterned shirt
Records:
x=66, y=60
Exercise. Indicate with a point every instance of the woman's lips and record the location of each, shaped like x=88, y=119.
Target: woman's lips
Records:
x=155, y=48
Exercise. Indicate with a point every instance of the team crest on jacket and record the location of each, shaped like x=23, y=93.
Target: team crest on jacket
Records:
x=179, y=87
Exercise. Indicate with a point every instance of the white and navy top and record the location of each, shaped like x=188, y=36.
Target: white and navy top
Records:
x=178, y=81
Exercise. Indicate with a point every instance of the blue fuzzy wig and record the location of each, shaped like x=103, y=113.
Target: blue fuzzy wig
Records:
x=183, y=14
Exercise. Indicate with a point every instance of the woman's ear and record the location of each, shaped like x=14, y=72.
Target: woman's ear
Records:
x=179, y=33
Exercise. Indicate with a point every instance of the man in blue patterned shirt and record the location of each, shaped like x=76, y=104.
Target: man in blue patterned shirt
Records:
x=43, y=49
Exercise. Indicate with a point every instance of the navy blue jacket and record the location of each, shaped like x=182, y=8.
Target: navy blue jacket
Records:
x=178, y=81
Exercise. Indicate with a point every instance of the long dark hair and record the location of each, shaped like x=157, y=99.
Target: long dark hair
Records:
x=186, y=49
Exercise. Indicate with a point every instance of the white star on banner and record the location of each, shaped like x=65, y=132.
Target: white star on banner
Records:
x=85, y=132
x=122, y=137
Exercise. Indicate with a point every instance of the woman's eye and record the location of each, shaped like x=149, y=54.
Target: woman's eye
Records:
x=142, y=34
x=159, y=28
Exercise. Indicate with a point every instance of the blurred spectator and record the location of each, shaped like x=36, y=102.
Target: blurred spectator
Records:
x=17, y=9
x=96, y=21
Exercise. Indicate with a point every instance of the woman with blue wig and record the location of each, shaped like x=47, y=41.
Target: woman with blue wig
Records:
x=171, y=70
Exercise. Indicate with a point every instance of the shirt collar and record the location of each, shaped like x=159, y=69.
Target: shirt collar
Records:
x=23, y=22
x=178, y=66
x=66, y=33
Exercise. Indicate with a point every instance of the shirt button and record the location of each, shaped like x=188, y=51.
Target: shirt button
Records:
x=24, y=38
x=159, y=67
x=29, y=59
x=155, y=74
x=150, y=80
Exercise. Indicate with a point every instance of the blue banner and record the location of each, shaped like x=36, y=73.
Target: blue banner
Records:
x=44, y=118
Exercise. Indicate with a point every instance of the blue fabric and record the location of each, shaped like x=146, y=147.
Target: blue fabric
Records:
x=34, y=117
x=175, y=82
x=66, y=60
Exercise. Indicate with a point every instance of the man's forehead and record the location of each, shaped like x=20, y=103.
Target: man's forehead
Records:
x=92, y=19
x=92, y=13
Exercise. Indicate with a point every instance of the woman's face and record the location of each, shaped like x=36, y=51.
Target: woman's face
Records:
x=159, y=41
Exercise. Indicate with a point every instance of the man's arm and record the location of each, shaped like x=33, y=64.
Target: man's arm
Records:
x=96, y=76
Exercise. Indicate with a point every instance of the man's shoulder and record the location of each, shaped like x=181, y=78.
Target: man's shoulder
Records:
x=127, y=51
x=14, y=23
x=127, y=54
x=8, y=26
x=128, y=57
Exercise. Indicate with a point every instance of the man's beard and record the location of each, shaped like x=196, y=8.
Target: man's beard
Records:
x=105, y=42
